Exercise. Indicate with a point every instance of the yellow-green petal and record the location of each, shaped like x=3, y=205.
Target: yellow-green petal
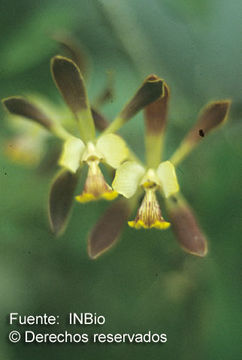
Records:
x=127, y=178
x=113, y=148
x=168, y=180
x=71, y=154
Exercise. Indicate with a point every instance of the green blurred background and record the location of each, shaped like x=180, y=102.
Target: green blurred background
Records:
x=146, y=282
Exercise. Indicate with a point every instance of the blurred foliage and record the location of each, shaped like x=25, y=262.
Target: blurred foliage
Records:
x=145, y=282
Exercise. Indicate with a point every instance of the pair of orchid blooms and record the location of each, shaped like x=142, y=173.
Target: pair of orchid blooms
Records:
x=132, y=180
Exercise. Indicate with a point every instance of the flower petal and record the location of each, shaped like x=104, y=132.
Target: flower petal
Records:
x=113, y=148
x=71, y=154
x=70, y=83
x=155, y=122
x=156, y=113
x=213, y=115
x=127, y=178
x=17, y=105
x=60, y=200
x=105, y=233
x=150, y=90
x=167, y=176
x=185, y=226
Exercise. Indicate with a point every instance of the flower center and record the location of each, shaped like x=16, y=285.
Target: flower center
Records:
x=95, y=186
x=91, y=153
x=149, y=180
x=149, y=214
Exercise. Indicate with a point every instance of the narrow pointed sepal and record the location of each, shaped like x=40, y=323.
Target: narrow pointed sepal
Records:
x=211, y=117
x=107, y=230
x=17, y=105
x=150, y=90
x=71, y=85
x=155, y=122
x=185, y=226
x=156, y=113
x=61, y=199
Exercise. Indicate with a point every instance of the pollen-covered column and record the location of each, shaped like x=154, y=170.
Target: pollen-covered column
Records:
x=149, y=214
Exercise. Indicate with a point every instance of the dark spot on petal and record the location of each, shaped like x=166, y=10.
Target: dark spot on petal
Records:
x=174, y=199
x=201, y=133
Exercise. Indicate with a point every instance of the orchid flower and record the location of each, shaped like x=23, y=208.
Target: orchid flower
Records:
x=87, y=149
x=133, y=179
x=27, y=145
